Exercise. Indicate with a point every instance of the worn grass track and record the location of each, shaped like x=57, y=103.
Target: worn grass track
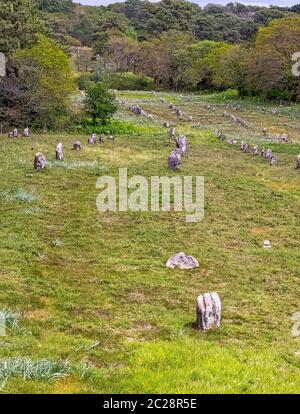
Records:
x=93, y=287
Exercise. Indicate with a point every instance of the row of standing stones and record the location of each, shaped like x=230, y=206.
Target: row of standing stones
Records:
x=208, y=305
x=40, y=159
x=265, y=153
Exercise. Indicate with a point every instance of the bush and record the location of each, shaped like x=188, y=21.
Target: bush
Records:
x=131, y=81
x=277, y=95
x=113, y=126
x=99, y=103
x=228, y=94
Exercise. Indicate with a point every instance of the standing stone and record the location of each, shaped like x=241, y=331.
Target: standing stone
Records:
x=15, y=133
x=244, y=147
x=77, y=146
x=39, y=162
x=172, y=132
x=190, y=118
x=26, y=132
x=208, y=311
x=255, y=150
x=269, y=154
x=92, y=139
x=166, y=124
x=298, y=162
x=102, y=139
x=174, y=159
x=59, y=152
x=181, y=144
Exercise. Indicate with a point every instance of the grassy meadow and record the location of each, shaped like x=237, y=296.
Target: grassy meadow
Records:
x=92, y=296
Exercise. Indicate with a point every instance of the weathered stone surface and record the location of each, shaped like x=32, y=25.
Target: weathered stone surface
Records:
x=190, y=118
x=267, y=244
x=181, y=144
x=208, y=311
x=174, y=159
x=92, y=139
x=232, y=141
x=172, y=132
x=255, y=150
x=244, y=147
x=269, y=154
x=77, y=146
x=39, y=162
x=26, y=132
x=13, y=134
x=182, y=261
x=220, y=135
x=59, y=152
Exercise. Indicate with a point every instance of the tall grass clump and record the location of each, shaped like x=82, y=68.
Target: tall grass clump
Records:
x=18, y=194
x=26, y=368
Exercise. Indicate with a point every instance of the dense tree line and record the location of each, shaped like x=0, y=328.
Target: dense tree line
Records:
x=172, y=45
x=144, y=20
x=180, y=45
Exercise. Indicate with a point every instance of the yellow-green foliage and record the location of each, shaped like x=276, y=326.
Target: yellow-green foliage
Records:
x=48, y=77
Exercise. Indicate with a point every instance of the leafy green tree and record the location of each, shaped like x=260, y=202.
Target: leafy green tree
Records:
x=44, y=81
x=56, y=6
x=99, y=103
x=19, y=24
x=204, y=72
x=270, y=66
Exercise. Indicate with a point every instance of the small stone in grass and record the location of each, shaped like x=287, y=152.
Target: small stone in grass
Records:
x=182, y=261
x=267, y=244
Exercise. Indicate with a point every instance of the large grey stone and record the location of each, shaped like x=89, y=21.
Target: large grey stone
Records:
x=182, y=261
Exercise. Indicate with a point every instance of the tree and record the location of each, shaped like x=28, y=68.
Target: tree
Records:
x=99, y=103
x=39, y=83
x=121, y=52
x=56, y=6
x=205, y=71
x=270, y=66
x=19, y=24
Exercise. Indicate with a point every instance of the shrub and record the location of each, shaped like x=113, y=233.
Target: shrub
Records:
x=131, y=81
x=99, y=103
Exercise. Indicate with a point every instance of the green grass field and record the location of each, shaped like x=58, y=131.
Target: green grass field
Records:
x=93, y=289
